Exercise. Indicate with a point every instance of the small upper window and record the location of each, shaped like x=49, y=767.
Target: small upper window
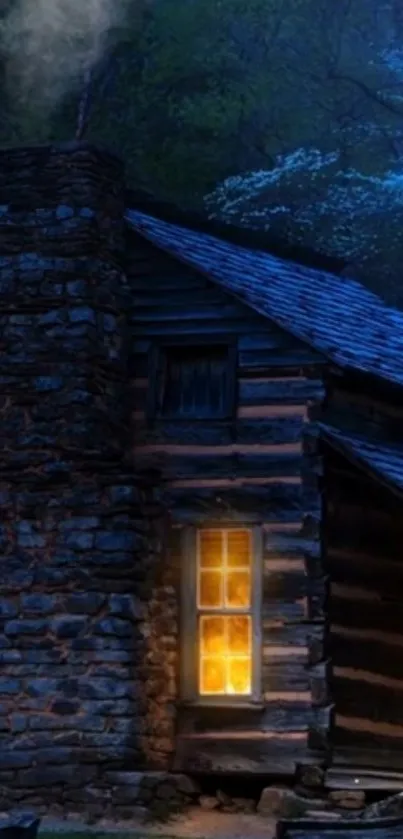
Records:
x=193, y=382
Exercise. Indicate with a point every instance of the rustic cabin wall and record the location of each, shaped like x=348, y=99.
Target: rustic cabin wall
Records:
x=251, y=468
x=364, y=531
x=361, y=408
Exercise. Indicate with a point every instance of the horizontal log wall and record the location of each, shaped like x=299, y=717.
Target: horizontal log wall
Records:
x=364, y=532
x=359, y=408
x=253, y=469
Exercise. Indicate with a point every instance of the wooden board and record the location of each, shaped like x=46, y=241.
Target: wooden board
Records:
x=374, y=655
x=148, y=299
x=285, y=673
x=251, y=754
x=285, y=612
x=193, y=327
x=286, y=391
x=391, y=828
x=367, y=739
x=358, y=697
x=288, y=584
x=273, y=502
x=269, y=336
x=364, y=570
x=356, y=778
x=250, y=465
x=286, y=635
x=276, y=716
x=276, y=430
x=291, y=544
x=263, y=360
x=362, y=613
x=359, y=758
x=164, y=310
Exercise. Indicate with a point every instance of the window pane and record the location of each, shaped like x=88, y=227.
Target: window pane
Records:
x=226, y=654
x=212, y=635
x=238, y=589
x=210, y=589
x=239, y=675
x=239, y=634
x=239, y=548
x=212, y=675
x=211, y=548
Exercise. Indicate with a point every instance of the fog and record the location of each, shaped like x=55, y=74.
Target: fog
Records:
x=48, y=45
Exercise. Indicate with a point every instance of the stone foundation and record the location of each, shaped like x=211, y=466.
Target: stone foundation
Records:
x=119, y=796
x=127, y=795
x=85, y=689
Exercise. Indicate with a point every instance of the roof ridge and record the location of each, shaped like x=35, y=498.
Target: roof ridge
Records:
x=146, y=202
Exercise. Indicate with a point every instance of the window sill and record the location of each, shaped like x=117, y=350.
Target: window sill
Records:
x=181, y=420
x=252, y=705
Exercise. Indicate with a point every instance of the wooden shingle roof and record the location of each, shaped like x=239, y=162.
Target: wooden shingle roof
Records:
x=336, y=316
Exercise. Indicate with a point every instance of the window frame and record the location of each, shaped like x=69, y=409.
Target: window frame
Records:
x=189, y=642
x=155, y=367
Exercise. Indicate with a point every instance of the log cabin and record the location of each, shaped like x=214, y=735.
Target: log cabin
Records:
x=271, y=398
x=201, y=500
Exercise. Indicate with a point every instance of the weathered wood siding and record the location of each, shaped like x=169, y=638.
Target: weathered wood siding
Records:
x=253, y=468
x=363, y=557
x=360, y=408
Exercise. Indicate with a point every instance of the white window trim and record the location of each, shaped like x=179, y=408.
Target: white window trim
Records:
x=189, y=651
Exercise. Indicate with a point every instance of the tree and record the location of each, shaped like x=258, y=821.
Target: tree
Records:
x=204, y=91
x=310, y=199
x=341, y=190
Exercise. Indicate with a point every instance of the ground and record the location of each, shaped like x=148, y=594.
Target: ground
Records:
x=196, y=824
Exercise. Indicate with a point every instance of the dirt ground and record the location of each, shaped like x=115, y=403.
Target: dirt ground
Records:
x=196, y=824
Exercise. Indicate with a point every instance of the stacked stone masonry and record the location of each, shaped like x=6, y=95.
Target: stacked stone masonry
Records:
x=85, y=690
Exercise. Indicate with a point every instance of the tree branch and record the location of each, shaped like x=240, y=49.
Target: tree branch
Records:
x=367, y=90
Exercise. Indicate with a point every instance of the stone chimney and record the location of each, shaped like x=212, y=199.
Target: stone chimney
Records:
x=62, y=298
x=72, y=536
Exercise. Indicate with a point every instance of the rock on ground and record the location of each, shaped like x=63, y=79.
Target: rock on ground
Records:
x=284, y=803
x=391, y=806
x=347, y=799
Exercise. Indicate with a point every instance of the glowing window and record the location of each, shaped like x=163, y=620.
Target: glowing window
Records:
x=224, y=583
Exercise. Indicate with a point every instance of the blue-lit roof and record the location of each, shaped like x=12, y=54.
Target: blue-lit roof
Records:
x=383, y=459
x=337, y=316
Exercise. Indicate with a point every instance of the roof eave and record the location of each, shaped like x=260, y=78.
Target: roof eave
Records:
x=342, y=447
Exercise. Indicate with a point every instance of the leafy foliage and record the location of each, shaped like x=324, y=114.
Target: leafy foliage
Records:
x=304, y=98
x=342, y=212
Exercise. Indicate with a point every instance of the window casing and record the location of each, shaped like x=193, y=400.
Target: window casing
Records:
x=221, y=615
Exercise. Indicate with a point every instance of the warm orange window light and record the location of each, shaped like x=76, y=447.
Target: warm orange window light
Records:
x=224, y=578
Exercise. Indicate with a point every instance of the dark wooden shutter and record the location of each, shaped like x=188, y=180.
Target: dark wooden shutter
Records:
x=194, y=382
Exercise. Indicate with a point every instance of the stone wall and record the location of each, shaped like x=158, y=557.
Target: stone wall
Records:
x=80, y=596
